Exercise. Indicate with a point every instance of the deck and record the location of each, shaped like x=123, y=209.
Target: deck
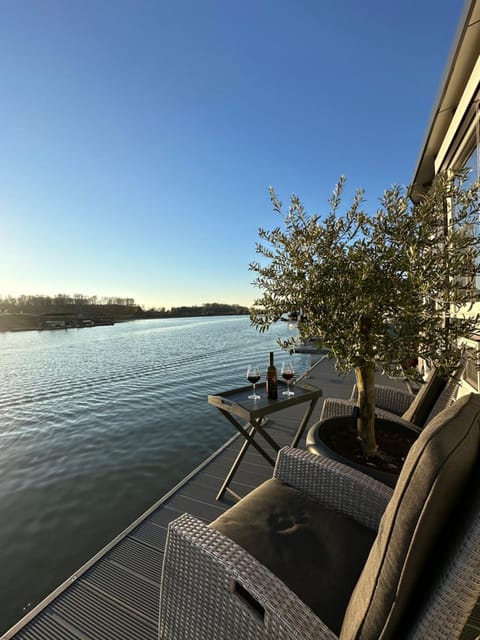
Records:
x=116, y=595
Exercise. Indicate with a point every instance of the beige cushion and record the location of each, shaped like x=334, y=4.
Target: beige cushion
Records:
x=317, y=553
x=434, y=477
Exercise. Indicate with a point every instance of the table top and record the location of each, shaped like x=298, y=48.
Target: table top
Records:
x=236, y=401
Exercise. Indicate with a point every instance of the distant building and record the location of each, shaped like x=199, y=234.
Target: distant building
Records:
x=59, y=320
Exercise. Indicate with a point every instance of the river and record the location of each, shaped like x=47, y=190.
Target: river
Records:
x=96, y=424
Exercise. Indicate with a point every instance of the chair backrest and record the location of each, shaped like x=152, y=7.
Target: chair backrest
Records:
x=438, y=491
x=435, y=395
x=449, y=393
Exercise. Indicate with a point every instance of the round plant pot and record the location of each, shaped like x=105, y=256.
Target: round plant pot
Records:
x=337, y=438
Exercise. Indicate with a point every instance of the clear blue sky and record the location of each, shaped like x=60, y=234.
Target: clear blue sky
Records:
x=138, y=138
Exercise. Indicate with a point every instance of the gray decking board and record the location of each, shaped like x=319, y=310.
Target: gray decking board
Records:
x=197, y=508
x=471, y=632
x=131, y=591
x=47, y=627
x=138, y=558
x=117, y=598
x=258, y=465
x=151, y=534
x=101, y=617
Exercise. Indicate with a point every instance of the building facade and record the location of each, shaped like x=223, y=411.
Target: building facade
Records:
x=452, y=139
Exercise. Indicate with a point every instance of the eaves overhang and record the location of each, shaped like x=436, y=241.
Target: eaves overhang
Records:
x=462, y=59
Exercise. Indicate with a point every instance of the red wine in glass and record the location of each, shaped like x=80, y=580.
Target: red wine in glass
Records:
x=253, y=376
x=287, y=372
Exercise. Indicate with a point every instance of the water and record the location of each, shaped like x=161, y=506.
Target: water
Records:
x=96, y=425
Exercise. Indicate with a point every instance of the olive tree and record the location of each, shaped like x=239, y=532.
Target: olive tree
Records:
x=377, y=290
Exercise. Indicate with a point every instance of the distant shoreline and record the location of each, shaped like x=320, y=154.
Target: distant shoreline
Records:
x=16, y=322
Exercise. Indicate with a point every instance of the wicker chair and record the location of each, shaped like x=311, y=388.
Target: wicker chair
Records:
x=401, y=406
x=389, y=398
x=323, y=552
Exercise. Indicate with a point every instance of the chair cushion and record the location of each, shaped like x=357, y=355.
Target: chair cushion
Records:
x=433, y=479
x=317, y=553
x=423, y=403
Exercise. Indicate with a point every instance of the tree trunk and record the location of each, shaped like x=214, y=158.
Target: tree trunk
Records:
x=365, y=376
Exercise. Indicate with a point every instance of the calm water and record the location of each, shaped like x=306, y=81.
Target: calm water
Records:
x=96, y=425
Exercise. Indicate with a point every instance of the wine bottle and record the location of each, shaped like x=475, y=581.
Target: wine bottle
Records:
x=271, y=379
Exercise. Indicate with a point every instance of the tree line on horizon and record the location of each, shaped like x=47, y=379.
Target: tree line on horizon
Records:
x=33, y=302
x=207, y=309
x=108, y=305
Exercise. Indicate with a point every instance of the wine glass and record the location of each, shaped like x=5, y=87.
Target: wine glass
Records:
x=287, y=372
x=253, y=376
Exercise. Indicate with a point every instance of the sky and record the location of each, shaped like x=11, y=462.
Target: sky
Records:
x=138, y=138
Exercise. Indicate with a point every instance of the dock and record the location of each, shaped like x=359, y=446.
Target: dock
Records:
x=116, y=594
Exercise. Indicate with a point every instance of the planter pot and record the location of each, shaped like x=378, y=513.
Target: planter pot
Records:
x=336, y=438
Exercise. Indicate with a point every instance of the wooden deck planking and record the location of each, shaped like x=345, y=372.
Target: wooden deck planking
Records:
x=118, y=596
x=47, y=627
x=99, y=616
x=138, y=558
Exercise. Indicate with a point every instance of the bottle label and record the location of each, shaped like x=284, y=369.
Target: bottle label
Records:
x=272, y=387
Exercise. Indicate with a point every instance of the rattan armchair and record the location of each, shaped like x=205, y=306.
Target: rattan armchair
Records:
x=409, y=580
x=401, y=406
x=388, y=398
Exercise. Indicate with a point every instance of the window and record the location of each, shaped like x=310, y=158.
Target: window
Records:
x=471, y=369
x=473, y=163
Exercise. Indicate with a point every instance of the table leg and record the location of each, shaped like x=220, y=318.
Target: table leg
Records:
x=303, y=424
x=266, y=436
x=234, y=467
x=249, y=436
x=249, y=439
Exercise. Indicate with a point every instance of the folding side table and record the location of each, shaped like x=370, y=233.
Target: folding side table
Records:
x=236, y=404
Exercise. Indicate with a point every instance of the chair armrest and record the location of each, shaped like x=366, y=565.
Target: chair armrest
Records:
x=333, y=407
x=389, y=398
x=334, y=484
x=212, y=588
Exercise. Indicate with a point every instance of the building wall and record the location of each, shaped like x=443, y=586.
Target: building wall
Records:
x=461, y=148
x=452, y=139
